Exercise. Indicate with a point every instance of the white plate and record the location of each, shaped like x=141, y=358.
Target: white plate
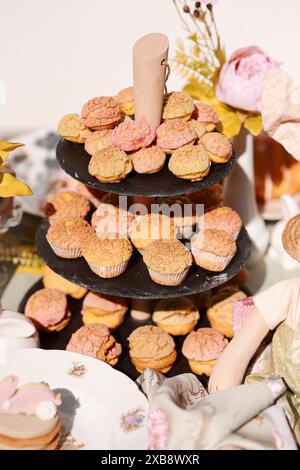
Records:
x=101, y=407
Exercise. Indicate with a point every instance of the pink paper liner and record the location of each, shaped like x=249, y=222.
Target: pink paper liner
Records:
x=168, y=279
x=108, y=272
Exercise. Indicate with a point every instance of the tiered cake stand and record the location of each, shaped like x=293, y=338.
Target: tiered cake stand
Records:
x=135, y=283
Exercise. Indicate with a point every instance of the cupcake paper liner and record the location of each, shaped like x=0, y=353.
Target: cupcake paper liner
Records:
x=68, y=253
x=211, y=261
x=108, y=272
x=168, y=279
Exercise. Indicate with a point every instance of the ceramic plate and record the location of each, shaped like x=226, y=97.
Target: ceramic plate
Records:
x=101, y=407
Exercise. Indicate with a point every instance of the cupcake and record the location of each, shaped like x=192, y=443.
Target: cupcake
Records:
x=213, y=249
x=148, y=160
x=150, y=346
x=133, y=135
x=206, y=115
x=51, y=280
x=176, y=316
x=66, y=237
x=190, y=163
x=222, y=218
x=105, y=309
x=110, y=221
x=107, y=257
x=66, y=205
x=202, y=348
x=48, y=310
x=174, y=134
x=95, y=340
x=177, y=105
x=182, y=211
x=110, y=165
x=98, y=140
x=125, y=98
x=72, y=128
x=102, y=112
x=168, y=262
x=218, y=147
x=220, y=312
x=151, y=227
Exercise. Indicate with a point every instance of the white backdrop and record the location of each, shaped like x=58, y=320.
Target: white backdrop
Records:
x=56, y=54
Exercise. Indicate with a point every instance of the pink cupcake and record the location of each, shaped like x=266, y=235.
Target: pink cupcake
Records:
x=206, y=115
x=222, y=218
x=173, y=134
x=133, y=135
x=102, y=112
x=213, y=249
x=95, y=340
x=48, y=310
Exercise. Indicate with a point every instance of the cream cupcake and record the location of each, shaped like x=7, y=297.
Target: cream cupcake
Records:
x=213, y=249
x=168, y=262
x=66, y=237
x=176, y=316
x=151, y=227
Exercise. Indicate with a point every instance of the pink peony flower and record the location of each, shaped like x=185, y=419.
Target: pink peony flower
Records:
x=241, y=78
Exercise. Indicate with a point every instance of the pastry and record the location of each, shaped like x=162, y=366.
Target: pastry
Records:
x=213, y=249
x=95, y=340
x=199, y=128
x=176, y=316
x=66, y=237
x=107, y=257
x=174, y=134
x=98, y=140
x=218, y=147
x=222, y=218
x=182, y=211
x=148, y=160
x=191, y=162
x=125, y=98
x=202, y=348
x=102, y=112
x=168, y=261
x=48, y=310
x=110, y=165
x=291, y=237
x=105, y=309
x=177, y=105
x=151, y=227
x=51, y=280
x=206, y=115
x=112, y=222
x=220, y=312
x=150, y=346
x=133, y=135
x=29, y=419
x=72, y=128
x=66, y=205
x=211, y=197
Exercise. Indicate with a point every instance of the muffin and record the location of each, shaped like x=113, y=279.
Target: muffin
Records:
x=51, y=280
x=148, y=160
x=176, y=316
x=177, y=105
x=150, y=346
x=107, y=258
x=110, y=165
x=48, y=310
x=174, y=134
x=190, y=163
x=182, y=211
x=66, y=205
x=125, y=98
x=66, y=237
x=110, y=221
x=102, y=112
x=218, y=147
x=202, y=348
x=151, y=227
x=105, y=309
x=98, y=140
x=168, y=262
x=72, y=128
x=206, y=115
x=223, y=218
x=213, y=249
x=219, y=314
x=95, y=340
x=133, y=135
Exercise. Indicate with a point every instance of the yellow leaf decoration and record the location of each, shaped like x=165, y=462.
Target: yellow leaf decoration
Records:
x=6, y=147
x=254, y=124
x=10, y=186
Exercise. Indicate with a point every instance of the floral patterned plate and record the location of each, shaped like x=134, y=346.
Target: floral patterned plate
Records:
x=102, y=409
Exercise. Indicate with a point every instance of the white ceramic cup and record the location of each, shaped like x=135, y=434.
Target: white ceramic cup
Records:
x=17, y=332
